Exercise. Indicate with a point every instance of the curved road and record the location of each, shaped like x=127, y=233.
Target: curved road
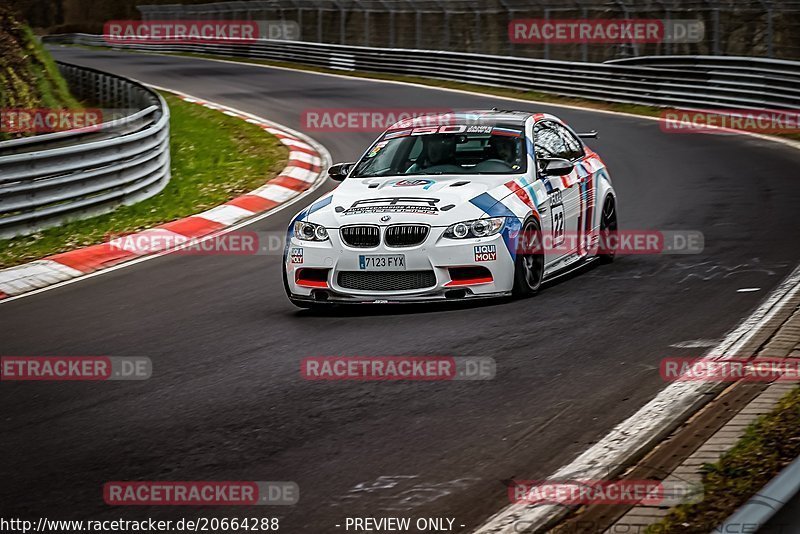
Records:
x=227, y=402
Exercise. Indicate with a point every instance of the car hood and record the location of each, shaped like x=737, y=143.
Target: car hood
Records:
x=435, y=200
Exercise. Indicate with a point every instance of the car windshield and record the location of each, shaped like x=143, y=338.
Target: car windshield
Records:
x=476, y=150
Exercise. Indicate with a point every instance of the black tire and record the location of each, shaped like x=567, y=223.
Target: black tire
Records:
x=608, y=224
x=529, y=264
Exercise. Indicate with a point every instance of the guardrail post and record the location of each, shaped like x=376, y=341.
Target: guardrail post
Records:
x=770, y=36
x=509, y=14
x=342, y=22
x=418, y=23
x=366, y=27
x=300, y=21
x=478, y=40
x=391, y=28
x=584, y=45
x=547, y=43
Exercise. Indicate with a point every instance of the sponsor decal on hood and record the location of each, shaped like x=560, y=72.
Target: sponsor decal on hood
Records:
x=422, y=206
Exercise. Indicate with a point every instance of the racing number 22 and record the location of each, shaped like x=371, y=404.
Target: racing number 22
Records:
x=557, y=217
x=558, y=225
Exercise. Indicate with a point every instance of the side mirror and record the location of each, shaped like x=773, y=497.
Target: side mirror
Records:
x=557, y=167
x=340, y=171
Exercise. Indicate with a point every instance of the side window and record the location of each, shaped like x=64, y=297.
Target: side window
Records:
x=548, y=143
x=573, y=144
x=553, y=140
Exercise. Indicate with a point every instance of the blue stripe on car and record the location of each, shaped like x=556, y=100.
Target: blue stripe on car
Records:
x=319, y=205
x=510, y=235
x=492, y=207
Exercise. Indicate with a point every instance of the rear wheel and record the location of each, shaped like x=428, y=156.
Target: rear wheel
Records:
x=529, y=265
x=608, y=226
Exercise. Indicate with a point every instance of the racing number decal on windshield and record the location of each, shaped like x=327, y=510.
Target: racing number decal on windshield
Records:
x=557, y=217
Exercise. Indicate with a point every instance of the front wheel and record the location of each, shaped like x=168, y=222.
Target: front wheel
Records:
x=529, y=264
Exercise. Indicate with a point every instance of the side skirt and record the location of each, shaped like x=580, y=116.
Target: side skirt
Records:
x=569, y=269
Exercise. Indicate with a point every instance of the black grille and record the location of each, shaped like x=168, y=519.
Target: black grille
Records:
x=386, y=280
x=406, y=235
x=361, y=236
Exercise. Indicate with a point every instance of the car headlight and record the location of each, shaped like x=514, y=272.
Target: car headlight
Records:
x=476, y=228
x=309, y=231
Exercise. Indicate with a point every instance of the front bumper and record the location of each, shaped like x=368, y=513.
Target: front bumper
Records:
x=442, y=260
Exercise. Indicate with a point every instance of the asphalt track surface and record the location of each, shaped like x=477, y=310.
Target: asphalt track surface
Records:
x=227, y=401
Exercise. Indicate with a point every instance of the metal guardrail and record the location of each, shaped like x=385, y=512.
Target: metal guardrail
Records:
x=667, y=81
x=48, y=179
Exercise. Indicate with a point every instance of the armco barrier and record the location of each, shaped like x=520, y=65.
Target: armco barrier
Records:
x=51, y=178
x=674, y=81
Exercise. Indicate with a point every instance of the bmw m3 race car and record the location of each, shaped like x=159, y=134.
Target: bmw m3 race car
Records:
x=467, y=205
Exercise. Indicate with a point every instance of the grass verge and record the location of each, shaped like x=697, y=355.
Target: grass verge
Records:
x=215, y=157
x=769, y=445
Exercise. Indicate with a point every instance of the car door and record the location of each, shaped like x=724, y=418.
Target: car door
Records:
x=583, y=176
x=560, y=223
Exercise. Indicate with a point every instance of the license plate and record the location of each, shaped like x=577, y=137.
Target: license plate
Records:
x=382, y=262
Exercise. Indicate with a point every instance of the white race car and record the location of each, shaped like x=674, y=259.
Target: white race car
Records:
x=459, y=206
